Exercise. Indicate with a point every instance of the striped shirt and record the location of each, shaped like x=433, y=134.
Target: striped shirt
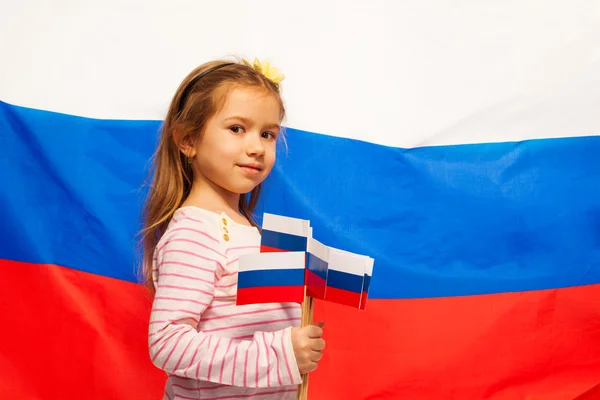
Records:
x=209, y=347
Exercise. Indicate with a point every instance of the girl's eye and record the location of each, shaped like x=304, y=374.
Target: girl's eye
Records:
x=236, y=129
x=268, y=135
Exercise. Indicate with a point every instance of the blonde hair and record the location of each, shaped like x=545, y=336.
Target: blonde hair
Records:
x=198, y=98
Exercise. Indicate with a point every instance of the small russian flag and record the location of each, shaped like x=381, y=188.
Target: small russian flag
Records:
x=316, y=269
x=345, y=277
x=271, y=278
x=284, y=234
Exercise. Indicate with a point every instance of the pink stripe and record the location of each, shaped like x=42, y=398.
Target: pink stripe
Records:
x=170, y=310
x=287, y=364
x=174, y=219
x=160, y=322
x=192, y=242
x=224, y=359
x=231, y=262
x=268, y=360
x=195, y=231
x=233, y=371
x=171, y=352
x=164, y=344
x=168, y=397
x=240, y=248
x=247, y=396
x=185, y=288
x=226, y=286
x=194, y=356
x=213, y=387
x=186, y=398
x=185, y=388
x=212, y=359
x=186, y=218
x=179, y=299
x=219, y=305
x=182, y=354
x=246, y=365
x=188, y=277
x=245, y=337
x=249, y=312
x=182, y=264
x=191, y=253
x=232, y=297
x=276, y=359
x=257, y=358
x=172, y=333
x=200, y=361
x=251, y=324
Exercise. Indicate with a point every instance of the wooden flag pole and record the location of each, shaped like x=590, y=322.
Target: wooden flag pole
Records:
x=307, y=319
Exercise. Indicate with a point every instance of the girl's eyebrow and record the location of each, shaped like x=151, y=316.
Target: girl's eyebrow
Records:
x=248, y=122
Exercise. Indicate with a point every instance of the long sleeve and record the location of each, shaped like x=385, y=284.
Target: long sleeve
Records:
x=189, y=261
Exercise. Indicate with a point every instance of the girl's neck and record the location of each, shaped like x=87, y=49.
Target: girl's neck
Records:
x=211, y=197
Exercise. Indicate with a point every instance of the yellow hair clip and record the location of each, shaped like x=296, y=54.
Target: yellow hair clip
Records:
x=265, y=68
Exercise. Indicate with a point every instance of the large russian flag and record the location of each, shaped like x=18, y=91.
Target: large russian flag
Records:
x=455, y=143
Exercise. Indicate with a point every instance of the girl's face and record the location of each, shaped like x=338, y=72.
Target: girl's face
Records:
x=237, y=148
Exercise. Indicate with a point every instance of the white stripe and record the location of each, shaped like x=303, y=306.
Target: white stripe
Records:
x=349, y=263
x=414, y=73
x=318, y=249
x=291, y=226
x=369, y=267
x=270, y=261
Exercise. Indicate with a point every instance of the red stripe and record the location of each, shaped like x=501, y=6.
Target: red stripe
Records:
x=347, y=298
x=513, y=346
x=363, y=300
x=535, y=345
x=77, y=327
x=267, y=249
x=271, y=294
x=315, y=285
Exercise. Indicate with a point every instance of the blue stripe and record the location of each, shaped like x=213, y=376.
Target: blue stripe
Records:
x=277, y=277
x=317, y=266
x=341, y=280
x=283, y=241
x=439, y=221
x=367, y=283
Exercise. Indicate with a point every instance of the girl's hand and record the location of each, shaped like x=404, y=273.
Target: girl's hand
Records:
x=308, y=346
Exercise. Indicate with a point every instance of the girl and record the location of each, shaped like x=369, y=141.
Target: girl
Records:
x=216, y=148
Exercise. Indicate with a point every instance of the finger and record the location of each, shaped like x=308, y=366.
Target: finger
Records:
x=314, y=332
x=318, y=344
x=315, y=356
x=311, y=367
x=320, y=324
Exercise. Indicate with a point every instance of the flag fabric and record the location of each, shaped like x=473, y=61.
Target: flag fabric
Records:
x=282, y=233
x=457, y=145
x=275, y=277
x=345, y=278
x=316, y=269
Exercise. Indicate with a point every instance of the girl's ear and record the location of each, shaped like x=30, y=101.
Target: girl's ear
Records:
x=185, y=142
